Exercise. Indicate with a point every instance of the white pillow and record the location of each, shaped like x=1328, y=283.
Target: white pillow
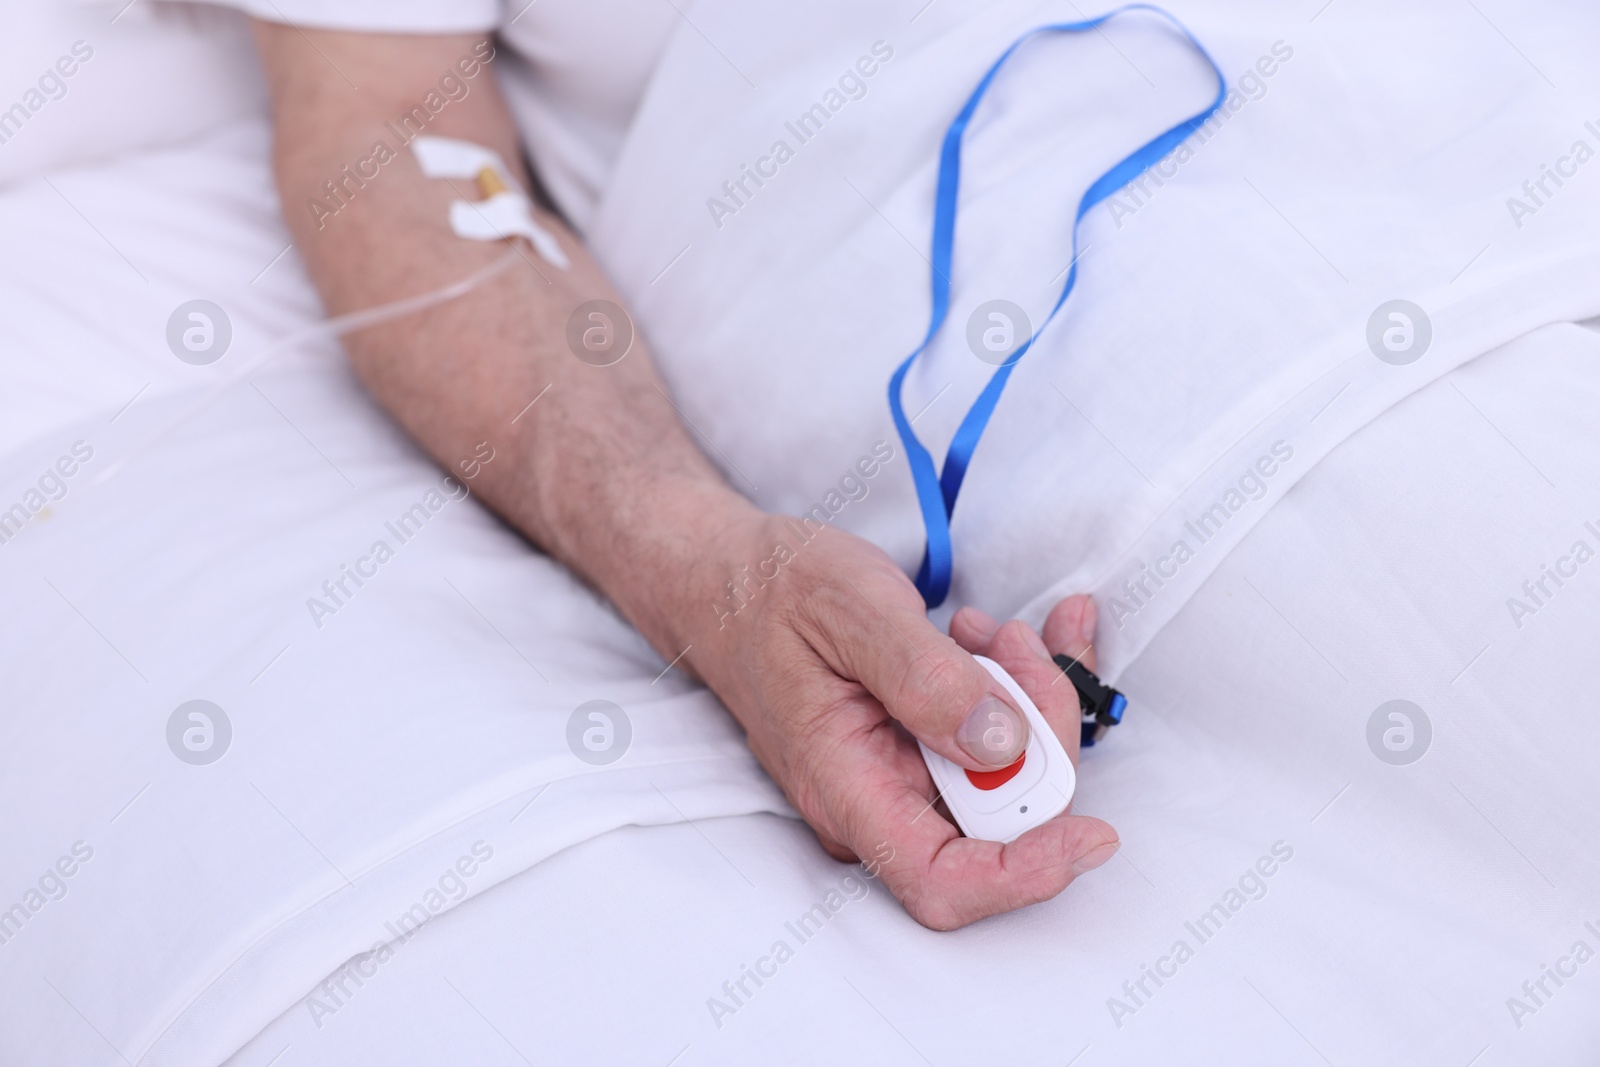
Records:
x=86, y=81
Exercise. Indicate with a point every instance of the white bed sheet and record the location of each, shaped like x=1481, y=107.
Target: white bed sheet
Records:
x=1417, y=901
x=371, y=749
x=374, y=752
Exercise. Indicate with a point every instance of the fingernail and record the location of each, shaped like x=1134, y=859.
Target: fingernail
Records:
x=995, y=734
x=982, y=621
x=1087, y=619
x=1095, y=857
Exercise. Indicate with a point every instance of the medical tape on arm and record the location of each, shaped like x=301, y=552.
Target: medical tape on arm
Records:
x=505, y=210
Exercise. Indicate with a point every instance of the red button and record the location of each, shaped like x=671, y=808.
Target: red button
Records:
x=995, y=779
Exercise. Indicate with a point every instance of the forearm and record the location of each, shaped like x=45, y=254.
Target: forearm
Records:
x=831, y=666
x=600, y=471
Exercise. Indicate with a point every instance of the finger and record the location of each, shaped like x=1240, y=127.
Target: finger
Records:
x=873, y=629
x=1027, y=659
x=874, y=800
x=1024, y=656
x=973, y=629
x=969, y=879
x=1069, y=629
x=946, y=881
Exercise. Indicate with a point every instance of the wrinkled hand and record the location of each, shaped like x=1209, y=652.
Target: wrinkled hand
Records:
x=833, y=669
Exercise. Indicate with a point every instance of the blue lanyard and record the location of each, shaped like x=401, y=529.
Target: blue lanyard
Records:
x=936, y=491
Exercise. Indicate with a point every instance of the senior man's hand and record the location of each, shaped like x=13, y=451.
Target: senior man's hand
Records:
x=834, y=671
x=833, y=666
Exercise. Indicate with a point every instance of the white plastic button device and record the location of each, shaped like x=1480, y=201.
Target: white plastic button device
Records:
x=1002, y=805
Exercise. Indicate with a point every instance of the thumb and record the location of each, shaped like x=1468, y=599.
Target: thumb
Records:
x=881, y=637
